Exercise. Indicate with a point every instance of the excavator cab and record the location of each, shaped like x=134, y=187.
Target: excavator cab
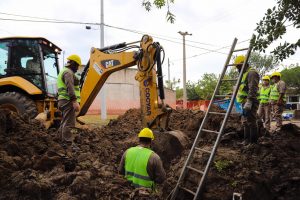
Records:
x=28, y=73
x=34, y=59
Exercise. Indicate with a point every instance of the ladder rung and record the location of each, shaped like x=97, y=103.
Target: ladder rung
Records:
x=244, y=49
x=210, y=131
x=229, y=79
x=222, y=95
x=217, y=113
x=190, y=191
x=231, y=65
x=196, y=170
x=203, y=150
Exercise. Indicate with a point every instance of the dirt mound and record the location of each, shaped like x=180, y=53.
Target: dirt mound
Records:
x=267, y=170
x=33, y=164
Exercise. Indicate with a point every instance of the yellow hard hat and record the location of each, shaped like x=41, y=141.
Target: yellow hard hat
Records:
x=75, y=58
x=239, y=59
x=146, y=133
x=266, y=78
x=275, y=74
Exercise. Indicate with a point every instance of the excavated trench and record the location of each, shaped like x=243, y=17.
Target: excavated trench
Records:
x=33, y=165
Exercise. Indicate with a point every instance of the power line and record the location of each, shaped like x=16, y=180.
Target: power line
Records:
x=16, y=15
x=89, y=23
x=60, y=20
x=160, y=36
x=225, y=47
x=48, y=21
x=139, y=32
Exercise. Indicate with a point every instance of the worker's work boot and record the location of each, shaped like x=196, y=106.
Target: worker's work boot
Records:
x=246, y=135
x=253, y=135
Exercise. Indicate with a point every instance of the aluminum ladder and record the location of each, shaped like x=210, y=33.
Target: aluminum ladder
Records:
x=195, y=147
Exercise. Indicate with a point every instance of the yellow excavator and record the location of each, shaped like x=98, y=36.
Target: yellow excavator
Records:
x=29, y=69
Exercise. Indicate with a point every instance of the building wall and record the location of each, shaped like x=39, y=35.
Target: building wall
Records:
x=122, y=93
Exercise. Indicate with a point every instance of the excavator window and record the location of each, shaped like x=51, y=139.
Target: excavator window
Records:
x=25, y=61
x=51, y=69
x=3, y=58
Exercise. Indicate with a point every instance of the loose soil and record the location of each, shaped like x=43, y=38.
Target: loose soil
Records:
x=33, y=164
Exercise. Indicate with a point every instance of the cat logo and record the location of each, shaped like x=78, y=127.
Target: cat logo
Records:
x=109, y=63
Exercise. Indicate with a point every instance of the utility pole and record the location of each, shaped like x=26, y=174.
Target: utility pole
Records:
x=170, y=85
x=184, y=68
x=103, y=89
x=101, y=24
x=63, y=59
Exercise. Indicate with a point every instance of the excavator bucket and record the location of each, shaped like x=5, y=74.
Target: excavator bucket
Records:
x=169, y=144
x=180, y=136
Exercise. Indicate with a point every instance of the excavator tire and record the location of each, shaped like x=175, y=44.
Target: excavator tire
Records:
x=19, y=103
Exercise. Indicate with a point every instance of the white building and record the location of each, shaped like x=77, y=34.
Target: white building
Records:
x=122, y=93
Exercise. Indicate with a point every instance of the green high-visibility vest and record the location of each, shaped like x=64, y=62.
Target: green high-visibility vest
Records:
x=274, y=94
x=136, y=160
x=62, y=88
x=243, y=90
x=264, y=94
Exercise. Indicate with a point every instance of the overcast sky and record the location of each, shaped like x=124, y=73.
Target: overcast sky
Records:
x=213, y=25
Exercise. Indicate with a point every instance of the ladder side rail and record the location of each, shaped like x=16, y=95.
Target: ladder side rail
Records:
x=223, y=72
x=187, y=162
x=240, y=77
x=212, y=155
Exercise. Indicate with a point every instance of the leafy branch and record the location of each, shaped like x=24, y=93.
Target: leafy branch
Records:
x=274, y=25
x=147, y=4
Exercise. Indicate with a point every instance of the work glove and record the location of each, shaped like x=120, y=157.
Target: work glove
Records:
x=247, y=107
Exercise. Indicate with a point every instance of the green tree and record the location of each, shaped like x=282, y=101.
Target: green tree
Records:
x=204, y=88
x=227, y=87
x=262, y=63
x=206, y=85
x=179, y=93
x=273, y=26
x=192, y=90
x=147, y=4
x=290, y=76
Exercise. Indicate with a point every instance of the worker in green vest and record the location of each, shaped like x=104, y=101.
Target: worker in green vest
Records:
x=247, y=96
x=142, y=166
x=68, y=99
x=264, y=109
x=277, y=98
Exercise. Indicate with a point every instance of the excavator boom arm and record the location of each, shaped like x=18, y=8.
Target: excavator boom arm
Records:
x=107, y=60
x=100, y=66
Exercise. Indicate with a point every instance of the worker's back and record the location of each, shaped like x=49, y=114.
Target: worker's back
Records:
x=136, y=161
